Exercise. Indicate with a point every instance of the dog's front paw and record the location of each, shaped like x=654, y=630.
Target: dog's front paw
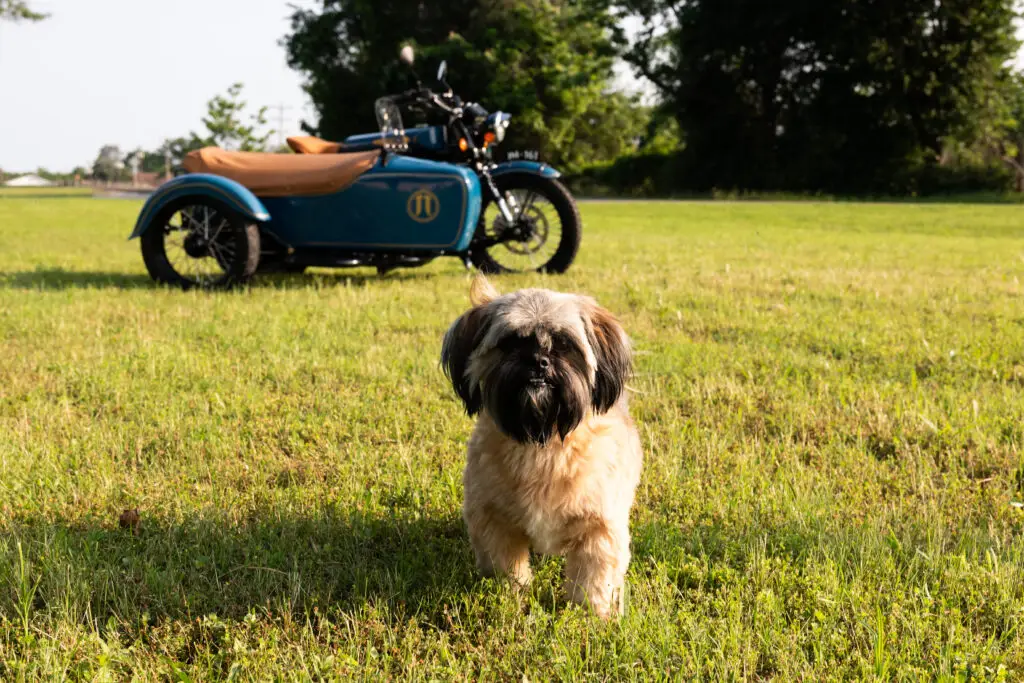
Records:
x=514, y=566
x=595, y=570
x=521, y=578
x=605, y=602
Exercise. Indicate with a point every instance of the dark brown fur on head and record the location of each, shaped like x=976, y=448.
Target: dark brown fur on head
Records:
x=459, y=342
x=614, y=359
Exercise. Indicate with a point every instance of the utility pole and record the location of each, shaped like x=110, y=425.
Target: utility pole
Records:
x=134, y=161
x=280, y=108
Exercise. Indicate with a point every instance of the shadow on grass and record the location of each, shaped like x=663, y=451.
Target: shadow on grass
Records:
x=331, y=559
x=337, y=278
x=46, y=195
x=61, y=279
x=282, y=563
x=326, y=560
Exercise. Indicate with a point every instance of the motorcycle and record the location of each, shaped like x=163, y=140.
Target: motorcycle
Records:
x=529, y=220
x=373, y=202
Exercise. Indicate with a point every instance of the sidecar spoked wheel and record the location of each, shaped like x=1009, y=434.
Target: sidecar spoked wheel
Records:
x=200, y=242
x=545, y=236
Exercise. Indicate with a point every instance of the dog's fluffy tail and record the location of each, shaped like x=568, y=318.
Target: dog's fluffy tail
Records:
x=481, y=291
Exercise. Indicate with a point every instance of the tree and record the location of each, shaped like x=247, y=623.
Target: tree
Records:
x=178, y=148
x=169, y=154
x=152, y=162
x=19, y=10
x=1000, y=128
x=548, y=62
x=808, y=95
x=224, y=126
x=109, y=165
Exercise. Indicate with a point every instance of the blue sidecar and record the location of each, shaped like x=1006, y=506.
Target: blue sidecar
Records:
x=236, y=212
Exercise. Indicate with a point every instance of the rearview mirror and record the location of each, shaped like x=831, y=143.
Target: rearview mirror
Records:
x=442, y=71
x=406, y=55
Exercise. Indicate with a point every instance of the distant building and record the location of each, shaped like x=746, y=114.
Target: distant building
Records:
x=144, y=179
x=29, y=180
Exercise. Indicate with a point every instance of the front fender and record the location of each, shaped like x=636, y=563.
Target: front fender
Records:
x=217, y=187
x=534, y=167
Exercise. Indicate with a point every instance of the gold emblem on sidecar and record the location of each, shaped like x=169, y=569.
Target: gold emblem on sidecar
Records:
x=423, y=206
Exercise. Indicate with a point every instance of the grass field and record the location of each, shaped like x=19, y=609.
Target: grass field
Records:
x=829, y=395
x=44, y=192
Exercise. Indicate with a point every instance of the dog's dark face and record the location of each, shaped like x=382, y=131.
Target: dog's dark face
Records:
x=536, y=385
x=536, y=361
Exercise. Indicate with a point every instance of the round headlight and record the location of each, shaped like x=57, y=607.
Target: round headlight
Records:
x=498, y=125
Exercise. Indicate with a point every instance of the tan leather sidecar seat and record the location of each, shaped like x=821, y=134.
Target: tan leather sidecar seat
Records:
x=280, y=175
x=307, y=144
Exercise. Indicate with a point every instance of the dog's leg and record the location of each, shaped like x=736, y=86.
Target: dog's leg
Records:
x=500, y=548
x=595, y=568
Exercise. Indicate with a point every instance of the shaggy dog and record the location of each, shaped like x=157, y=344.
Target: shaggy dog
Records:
x=554, y=458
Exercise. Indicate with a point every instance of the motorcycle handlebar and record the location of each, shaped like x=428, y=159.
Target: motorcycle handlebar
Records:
x=411, y=96
x=423, y=96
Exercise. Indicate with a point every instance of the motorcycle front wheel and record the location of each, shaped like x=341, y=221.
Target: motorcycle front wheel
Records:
x=544, y=235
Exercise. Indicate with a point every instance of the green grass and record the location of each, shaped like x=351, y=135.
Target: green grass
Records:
x=829, y=395
x=44, y=192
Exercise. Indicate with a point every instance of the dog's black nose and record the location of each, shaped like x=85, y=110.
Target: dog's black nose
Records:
x=543, y=363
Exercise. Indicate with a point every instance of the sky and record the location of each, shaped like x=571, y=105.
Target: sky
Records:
x=134, y=72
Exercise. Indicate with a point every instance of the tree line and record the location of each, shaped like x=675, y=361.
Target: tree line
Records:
x=850, y=96
x=847, y=97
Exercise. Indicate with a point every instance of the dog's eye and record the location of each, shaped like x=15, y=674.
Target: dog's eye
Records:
x=561, y=344
x=510, y=343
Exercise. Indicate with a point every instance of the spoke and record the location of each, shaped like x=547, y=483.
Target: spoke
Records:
x=545, y=231
x=529, y=255
x=203, y=223
x=176, y=260
x=527, y=205
x=186, y=217
x=220, y=228
x=224, y=263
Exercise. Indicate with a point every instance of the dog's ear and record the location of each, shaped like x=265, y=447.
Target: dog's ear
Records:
x=481, y=291
x=460, y=341
x=612, y=355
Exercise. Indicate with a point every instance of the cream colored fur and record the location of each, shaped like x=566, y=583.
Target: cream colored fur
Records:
x=570, y=496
